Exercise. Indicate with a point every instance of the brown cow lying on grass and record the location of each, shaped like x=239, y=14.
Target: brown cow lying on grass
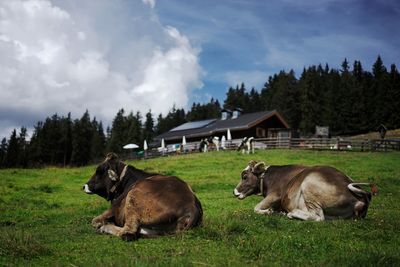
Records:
x=307, y=193
x=143, y=203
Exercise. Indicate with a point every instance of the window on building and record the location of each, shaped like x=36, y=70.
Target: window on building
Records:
x=260, y=132
x=284, y=134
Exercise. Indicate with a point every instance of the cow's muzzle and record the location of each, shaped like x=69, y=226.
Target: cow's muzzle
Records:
x=237, y=194
x=86, y=189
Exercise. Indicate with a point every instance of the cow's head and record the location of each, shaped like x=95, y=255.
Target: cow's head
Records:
x=250, y=180
x=105, y=177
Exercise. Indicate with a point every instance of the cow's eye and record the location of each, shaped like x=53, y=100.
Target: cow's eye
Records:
x=245, y=177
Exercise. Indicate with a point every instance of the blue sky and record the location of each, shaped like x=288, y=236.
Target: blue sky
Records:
x=60, y=56
x=249, y=40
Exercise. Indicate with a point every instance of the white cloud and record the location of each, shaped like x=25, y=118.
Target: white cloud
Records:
x=151, y=3
x=169, y=73
x=100, y=56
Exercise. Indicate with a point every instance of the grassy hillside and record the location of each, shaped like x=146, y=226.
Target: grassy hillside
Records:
x=45, y=218
x=390, y=134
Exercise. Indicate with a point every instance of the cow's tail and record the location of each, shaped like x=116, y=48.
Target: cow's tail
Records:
x=354, y=187
x=361, y=207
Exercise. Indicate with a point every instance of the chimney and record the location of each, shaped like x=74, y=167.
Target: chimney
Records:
x=226, y=114
x=236, y=113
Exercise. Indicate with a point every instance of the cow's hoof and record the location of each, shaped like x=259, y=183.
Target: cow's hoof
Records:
x=106, y=229
x=269, y=211
x=264, y=212
x=101, y=230
x=97, y=224
x=129, y=237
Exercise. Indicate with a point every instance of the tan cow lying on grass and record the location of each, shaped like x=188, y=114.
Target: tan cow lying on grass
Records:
x=307, y=193
x=145, y=204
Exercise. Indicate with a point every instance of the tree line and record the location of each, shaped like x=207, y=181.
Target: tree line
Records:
x=349, y=100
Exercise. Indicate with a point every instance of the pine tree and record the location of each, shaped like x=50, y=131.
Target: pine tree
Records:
x=82, y=140
x=309, y=101
x=22, y=143
x=51, y=141
x=179, y=118
x=148, y=130
x=393, y=105
x=360, y=96
x=379, y=92
x=51, y=137
x=324, y=91
x=236, y=98
x=332, y=100
x=230, y=100
x=98, y=140
x=162, y=126
x=215, y=109
x=118, y=133
x=134, y=129
x=206, y=111
x=13, y=150
x=267, y=93
x=348, y=92
x=255, y=103
x=174, y=118
x=284, y=94
x=3, y=153
x=35, y=147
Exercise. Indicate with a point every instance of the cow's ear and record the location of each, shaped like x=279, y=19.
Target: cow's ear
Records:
x=252, y=163
x=259, y=168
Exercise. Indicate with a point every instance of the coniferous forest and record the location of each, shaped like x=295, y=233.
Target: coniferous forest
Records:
x=349, y=100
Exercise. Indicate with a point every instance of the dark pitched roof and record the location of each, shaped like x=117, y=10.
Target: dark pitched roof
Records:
x=242, y=122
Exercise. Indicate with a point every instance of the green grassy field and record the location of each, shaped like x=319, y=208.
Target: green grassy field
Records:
x=45, y=218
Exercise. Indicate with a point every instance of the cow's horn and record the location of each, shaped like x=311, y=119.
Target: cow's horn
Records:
x=111, y=156
x=252, y=163
x=259, y=168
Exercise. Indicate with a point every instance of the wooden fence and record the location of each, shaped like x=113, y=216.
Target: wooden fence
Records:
x=330, y=143
x=341, y=144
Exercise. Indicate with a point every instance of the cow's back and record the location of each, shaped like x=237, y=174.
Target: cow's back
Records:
x=159, y=200
x=278, y=177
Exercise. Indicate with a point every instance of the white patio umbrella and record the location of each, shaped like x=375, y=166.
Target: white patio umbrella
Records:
x=162, y=143
x=162, y=148
x=223, y=140
x=184, y=141
x=130, y=146
x=145, y=147
x=228, y=135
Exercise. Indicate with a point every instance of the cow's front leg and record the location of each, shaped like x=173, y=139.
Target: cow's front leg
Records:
x=266, y=205
x=101, y=220
x=128, y=232
x=306, y=215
